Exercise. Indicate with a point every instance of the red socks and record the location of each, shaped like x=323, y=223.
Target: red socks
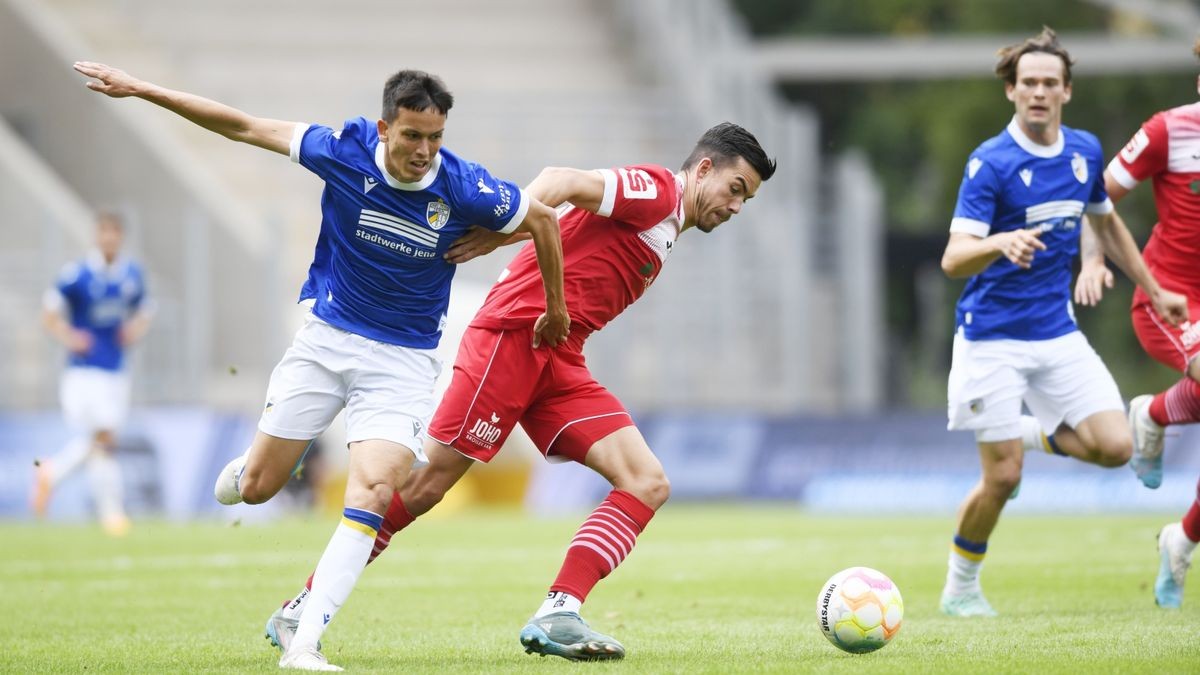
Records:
x=1178, y=405
x=601, y=543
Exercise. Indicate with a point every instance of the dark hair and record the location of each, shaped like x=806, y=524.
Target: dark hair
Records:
x=1046, y=41
x=726, y=142
x=415, y=90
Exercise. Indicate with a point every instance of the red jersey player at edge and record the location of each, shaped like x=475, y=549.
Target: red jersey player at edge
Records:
x=618, y=227
x=1166, y=149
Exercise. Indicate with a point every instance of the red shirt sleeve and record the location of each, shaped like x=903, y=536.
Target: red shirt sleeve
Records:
x=1146, y=153
x=641, y=196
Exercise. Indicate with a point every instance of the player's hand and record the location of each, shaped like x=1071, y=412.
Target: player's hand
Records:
x=1020, y=245
x=476, y=242
x=552, y=328
x=1094, y=277
x=108, y=80
x=79, y=342
x=1172, y=307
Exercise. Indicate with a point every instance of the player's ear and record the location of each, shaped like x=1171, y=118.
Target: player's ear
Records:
x=382, y=126
x=1067, y=93
x=1008, y=91
x=703, y=167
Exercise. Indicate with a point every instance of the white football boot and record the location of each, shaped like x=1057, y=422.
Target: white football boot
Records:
x=226, y=488
x=306, y=659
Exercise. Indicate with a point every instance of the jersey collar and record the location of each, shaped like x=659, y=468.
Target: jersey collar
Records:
x=95, y=262
x=425, y=182
x=1029, y=145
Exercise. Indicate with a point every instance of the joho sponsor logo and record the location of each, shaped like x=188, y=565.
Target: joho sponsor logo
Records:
x=488, y=433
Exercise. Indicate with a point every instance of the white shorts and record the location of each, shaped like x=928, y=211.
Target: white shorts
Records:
x=94, y=399
x=387, y=390
x=1060, y=380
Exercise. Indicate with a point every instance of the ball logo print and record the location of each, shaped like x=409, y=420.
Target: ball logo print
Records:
x=859, y=610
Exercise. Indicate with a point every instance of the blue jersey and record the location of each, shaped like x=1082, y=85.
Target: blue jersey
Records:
x=378, y=269
x=1011, y=182
x=99, y=298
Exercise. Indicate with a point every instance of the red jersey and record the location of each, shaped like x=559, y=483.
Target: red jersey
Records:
x=610, y=257
x=1167, y=150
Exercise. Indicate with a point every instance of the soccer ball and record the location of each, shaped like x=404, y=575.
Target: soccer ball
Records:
x=859, y=610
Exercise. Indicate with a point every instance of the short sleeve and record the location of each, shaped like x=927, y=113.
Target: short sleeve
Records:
x=975, y=210
x=1144, y=155
x=495, y=204
x=642, y=196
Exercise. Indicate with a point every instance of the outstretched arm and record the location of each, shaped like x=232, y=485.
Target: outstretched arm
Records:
x=273, y=135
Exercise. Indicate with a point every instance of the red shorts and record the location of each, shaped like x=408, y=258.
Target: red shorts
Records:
x=1173, y=346
x=500, y=379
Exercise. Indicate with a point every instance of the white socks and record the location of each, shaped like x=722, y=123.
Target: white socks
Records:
x=337, y=572
x=962, y=575
x=1032, y=436
x=557, y=601
x=104, y=474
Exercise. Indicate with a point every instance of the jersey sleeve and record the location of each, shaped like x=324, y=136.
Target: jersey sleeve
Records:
x=315, y=146
x=975, y=210
x=490, y=202
x=1143, y=156
x=135, y=291
x=64, y=288
x=641, y=196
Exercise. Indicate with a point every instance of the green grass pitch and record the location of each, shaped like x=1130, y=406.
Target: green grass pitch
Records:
x=710, y=589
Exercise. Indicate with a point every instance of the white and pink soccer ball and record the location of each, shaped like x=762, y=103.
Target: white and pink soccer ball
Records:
x=859, y=610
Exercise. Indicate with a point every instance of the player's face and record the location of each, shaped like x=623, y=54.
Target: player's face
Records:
x=412, y=140
x=721, y=193
x=109, y=237
x=1040, y=91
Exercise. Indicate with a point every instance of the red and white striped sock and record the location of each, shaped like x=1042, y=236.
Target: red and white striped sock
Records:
x=601, y=543
x=1178, y=405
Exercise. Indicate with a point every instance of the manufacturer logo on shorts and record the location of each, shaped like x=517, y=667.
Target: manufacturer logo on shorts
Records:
x=485, y=432
x=267, y=408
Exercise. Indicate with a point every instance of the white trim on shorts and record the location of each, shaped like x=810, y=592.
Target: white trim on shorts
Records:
x=1059, y=380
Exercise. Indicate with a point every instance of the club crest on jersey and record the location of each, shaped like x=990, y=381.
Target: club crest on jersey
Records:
x=437, y=214
x=1079, y=167
x=1026, y=176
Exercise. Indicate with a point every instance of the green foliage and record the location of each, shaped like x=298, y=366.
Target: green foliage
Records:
x=708, y=590
x=916, y=17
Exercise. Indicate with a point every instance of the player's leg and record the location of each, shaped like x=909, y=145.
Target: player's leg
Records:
x=1149, y=415
x=389, y=398
x=1176, y=543
x=576, y=418
x=108, y=489
x=1001, y=463
x=421, y=492
x=306, y=391
x=76, y=394
x=1074, y=391
x=377, y=469
x=984, y=392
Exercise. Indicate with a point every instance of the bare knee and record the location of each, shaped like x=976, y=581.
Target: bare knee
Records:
x=255, y=488
x=1113, y=451
x=1002, y=480
x=652, y=490
x=373, y=494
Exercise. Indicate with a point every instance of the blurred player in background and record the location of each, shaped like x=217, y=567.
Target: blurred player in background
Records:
x=1167, y=150
x=618, y=227
x=393, y=203
x=1015, y=233
x=96, y=309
